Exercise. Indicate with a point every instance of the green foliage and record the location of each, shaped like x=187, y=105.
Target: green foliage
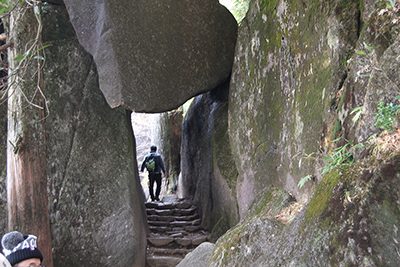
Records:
x=28, y=54
x=392, y=2
x=186, y=105
x=358, y=111
x=385, y=118
x=4, y=6
x=362, y=53
x=386, y=115
x=367, y=59
x=238, y=8
x=304, y=180
x=33, y=49
x=340, y=155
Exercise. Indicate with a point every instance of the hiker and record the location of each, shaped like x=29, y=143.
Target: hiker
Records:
x=154, y=165
x=21, y=250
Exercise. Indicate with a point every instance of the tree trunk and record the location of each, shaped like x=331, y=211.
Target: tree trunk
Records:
x=26, y=151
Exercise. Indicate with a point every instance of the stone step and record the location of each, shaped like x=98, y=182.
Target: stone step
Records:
x=196, y=222
x=185, y=212
x=183, y=205
x=183, y=232
x=170, y=251
x=175, y=212
x=160, y=206
x=187, y=218
x=163, y=261
x=164, y=212
x=184, y=241
x=169, y=230
x=180, y=240
x=191, y=241
x=192, y=228
x=198, y=240
x=173, y=224
x=160, y=241
x=178, y=235
x=170, y=218
x=180, y=223
x=175, y=230
x=166, y=218
x=151, y=211
x=163, y=206
x=152, y=217
x=158, y=229
x=159, y=223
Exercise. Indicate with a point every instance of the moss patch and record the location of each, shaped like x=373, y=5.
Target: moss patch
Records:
x=270, y=202
x=320, y=202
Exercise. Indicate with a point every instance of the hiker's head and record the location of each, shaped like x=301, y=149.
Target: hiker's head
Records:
x=20, y=249
x=153, y=149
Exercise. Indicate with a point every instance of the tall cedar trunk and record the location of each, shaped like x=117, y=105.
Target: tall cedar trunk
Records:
x=26, y=151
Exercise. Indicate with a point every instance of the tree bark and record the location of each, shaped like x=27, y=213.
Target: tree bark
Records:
x=26, y=151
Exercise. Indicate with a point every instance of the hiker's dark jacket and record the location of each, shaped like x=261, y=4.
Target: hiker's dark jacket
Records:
x=158, y=160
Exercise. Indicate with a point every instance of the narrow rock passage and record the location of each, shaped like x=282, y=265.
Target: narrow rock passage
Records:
x=174, y=231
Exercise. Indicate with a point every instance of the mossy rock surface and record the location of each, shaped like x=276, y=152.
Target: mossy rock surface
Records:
x=289, y=65
x=351, y=220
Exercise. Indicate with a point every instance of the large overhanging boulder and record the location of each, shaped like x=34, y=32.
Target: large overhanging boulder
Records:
x=152, y=56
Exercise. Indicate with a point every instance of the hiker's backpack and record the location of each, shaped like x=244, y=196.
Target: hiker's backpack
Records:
x=151, y=164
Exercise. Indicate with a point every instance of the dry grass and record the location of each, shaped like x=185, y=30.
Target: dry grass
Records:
x=386, y=145
x=290, y=212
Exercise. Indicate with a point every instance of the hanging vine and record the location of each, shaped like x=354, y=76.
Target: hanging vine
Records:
x=33, y=53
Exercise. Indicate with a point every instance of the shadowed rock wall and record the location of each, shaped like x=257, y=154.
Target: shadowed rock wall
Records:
x=95, y=199
x=152, y=56
x=208, y=170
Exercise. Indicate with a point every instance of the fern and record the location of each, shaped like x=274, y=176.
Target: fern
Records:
x=304, y=180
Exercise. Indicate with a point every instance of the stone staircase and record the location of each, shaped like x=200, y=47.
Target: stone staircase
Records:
x=174, y=231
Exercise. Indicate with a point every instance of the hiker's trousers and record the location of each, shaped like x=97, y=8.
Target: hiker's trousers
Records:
x=154, y=177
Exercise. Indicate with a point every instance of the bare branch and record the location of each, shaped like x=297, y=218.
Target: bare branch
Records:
x=5, y=46
x=3, y=37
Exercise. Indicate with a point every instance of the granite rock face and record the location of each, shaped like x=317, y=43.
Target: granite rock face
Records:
x=374, y=76
x=96, y=203
x=208, y=171
x=198, y=257
x=290, y=62
x=285, y=110
x=332, y=229
x=152, y=56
